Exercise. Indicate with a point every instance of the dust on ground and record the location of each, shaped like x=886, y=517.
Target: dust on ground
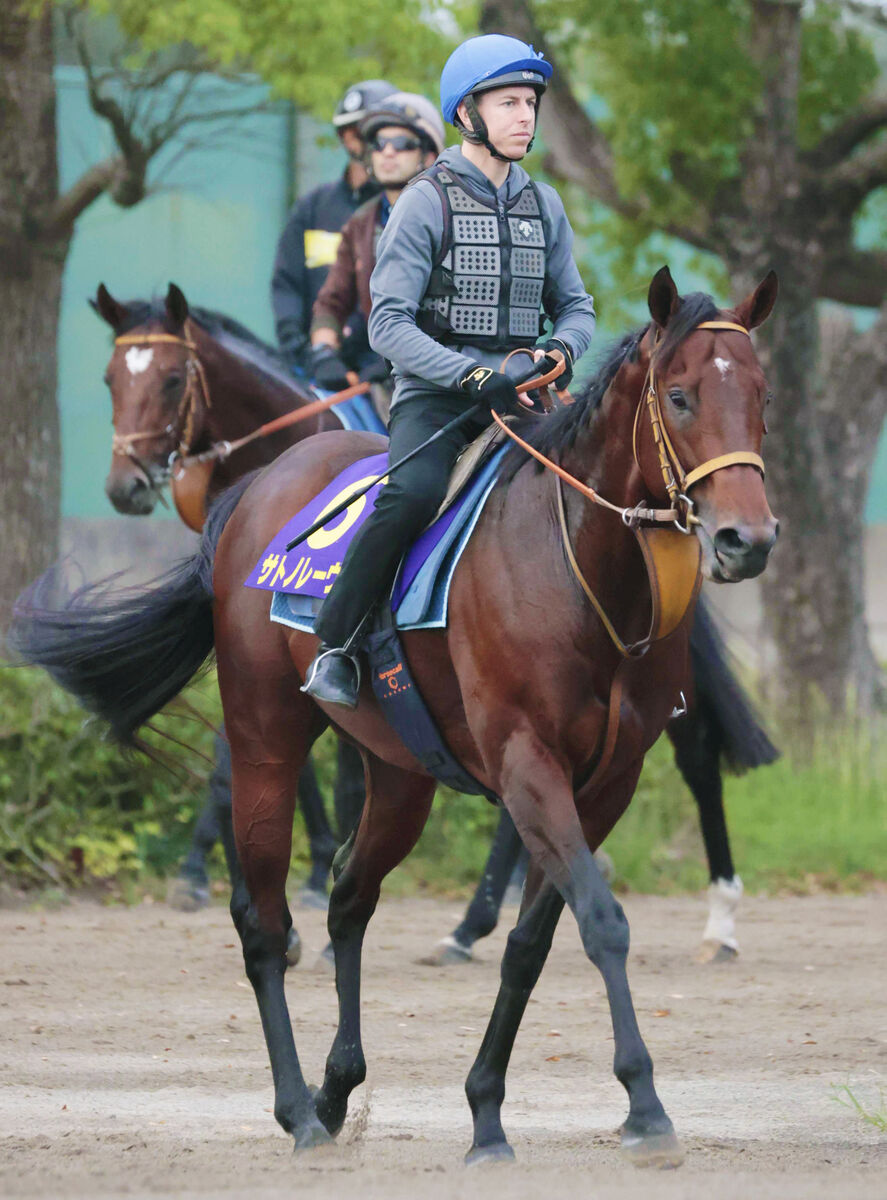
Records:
x=132, y=1061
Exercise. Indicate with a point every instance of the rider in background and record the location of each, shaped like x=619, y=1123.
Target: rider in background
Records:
x=403, y=136
x=472, y=255
x=310, y=239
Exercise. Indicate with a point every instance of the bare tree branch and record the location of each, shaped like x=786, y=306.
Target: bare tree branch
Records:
x=68, y=207
x=872, y=11
x=835, y=146
x=855, y=277
x=851, y=181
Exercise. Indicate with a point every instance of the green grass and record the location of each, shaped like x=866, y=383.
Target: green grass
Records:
x=75, y=809
x=877, y=1117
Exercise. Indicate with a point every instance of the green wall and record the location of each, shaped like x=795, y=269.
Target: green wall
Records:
x=211, y=225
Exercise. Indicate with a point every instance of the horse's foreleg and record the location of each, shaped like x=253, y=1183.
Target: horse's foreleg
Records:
x=538, y=793
x=697, y=754
x=525, y=954
x=394, y=814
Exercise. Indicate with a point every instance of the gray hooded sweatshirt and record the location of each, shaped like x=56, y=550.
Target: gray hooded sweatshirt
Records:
x=408, y=249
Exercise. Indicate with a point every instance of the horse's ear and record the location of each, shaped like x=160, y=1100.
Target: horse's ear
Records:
x=756, y=308
x=663, y=298
x=108, y=308
x=176, y=306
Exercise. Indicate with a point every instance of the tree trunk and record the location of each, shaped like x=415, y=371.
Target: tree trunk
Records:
x=30, y=287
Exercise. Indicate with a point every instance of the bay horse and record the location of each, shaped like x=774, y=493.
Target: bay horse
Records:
x=527, y=684
x=183, y=379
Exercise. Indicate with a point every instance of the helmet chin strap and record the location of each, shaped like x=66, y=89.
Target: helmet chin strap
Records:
x=479, y=135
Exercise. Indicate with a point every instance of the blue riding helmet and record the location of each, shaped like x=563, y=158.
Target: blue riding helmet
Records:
x=490, y=61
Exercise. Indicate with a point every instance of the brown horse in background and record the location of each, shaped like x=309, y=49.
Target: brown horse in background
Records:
x=521, y=683
x=181, y=380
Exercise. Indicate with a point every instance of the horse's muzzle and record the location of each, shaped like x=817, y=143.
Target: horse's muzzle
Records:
x=131, y=494
x=741, y=550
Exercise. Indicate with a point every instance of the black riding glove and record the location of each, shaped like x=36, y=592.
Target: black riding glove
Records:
x=563, y=381
x=492, y=389
x=327, y=369
x=376, y=370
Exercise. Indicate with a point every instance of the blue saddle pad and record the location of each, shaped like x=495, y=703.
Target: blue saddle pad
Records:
x=358, y=414
x=421, y=590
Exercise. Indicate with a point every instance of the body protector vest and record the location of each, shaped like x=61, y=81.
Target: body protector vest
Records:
x=486, y=287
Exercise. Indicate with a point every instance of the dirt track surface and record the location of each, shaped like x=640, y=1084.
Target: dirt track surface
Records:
x=132, y=1061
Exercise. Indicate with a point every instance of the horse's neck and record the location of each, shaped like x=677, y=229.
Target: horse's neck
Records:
x=240, y=398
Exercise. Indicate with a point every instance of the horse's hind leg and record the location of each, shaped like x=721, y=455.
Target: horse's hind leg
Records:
x=697, y=750
x=270, y=728
x=525, y=954
x=321, y=840
x=397, y=806
x=190, y=889
x=482, y=914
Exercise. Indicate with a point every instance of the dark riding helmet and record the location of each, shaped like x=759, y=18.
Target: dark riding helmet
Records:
x=410, y=111
x=353, y=106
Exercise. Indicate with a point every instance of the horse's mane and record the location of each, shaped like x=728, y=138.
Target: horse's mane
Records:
x=557, y=433
x=230, y=334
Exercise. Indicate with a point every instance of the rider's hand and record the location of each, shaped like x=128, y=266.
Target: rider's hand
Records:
x=492, y=389
x=327, y=369
x=375, y=371
x=555, y=348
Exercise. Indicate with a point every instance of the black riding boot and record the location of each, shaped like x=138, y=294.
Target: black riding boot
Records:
x=333, y=677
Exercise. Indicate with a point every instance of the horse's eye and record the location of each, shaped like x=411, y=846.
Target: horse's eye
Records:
x=172, y=382
x=768, y=399
x=106, y=378
x=678, y=400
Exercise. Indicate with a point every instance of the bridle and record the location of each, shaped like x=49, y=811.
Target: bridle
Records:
x=181, y=430
x=677, y=481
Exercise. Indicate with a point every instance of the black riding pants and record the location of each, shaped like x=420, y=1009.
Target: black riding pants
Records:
x=404, y=507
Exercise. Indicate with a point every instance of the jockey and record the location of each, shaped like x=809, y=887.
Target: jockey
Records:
x=472, y=252
x=403, y=135
x=310, y=239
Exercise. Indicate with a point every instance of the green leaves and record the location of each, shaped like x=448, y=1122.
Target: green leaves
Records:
x=307, y=53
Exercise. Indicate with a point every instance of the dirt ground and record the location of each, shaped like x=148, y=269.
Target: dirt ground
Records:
x=132, y=1060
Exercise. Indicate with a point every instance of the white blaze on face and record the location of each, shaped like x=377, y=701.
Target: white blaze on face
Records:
x=723, y=366
x=138, y=359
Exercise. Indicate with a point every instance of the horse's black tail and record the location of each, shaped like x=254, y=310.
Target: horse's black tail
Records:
x=743, y=740
x=124, y=653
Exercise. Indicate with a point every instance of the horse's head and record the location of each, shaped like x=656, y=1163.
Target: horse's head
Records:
x=708, y=395
x=154, y=390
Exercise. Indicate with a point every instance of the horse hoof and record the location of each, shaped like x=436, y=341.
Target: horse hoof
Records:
x=481, y=1156
x=311, y=1135
x=309, y=897
x=447, y=952
x=659, y=1150
x=293, y=947
x=331, y=1121
x=716, y=952
x=186, y=895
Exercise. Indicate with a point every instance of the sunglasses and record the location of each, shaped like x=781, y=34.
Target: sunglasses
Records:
x=402, y=142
